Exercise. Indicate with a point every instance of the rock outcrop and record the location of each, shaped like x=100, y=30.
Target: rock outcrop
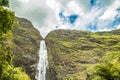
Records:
x=26, y=46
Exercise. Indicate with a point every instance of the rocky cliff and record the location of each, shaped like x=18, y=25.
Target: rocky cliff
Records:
x=26, y=46
x=71, y=53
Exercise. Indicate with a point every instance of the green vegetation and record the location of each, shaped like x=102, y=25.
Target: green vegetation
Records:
x=107, y=69
x=7, y=70
x=6, y=22
x=4, y=2
x=83, y=55
x=26, y=41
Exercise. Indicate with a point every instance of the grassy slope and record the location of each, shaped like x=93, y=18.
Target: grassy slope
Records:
x=26, y=43
x=72, y=52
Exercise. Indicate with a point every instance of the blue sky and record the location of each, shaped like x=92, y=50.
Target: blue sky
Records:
x=48, y=15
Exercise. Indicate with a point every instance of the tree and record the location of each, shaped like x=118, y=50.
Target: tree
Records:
x=6, y=22
x=7, y=70
x=4, y=3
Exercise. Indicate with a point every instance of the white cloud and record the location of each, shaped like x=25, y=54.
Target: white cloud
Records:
x=105, y=21
x=118, y=27
x=52, y=4
x=85, y=18
x=111, y=12
x=24, y=1
x=99, y=16
x=44, y=14
x=74, y=7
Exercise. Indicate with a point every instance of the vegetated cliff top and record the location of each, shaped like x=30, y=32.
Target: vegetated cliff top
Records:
x=72, y=53
x=26, y=46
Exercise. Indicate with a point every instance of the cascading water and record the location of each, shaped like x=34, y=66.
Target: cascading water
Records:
x=43, y=62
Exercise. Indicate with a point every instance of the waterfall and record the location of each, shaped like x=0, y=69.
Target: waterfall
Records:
x=43, y=62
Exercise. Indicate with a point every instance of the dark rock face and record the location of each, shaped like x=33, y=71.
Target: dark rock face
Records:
x=71, y=53
x=26, y=43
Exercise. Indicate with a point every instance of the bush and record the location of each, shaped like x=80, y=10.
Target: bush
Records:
x=108, y=69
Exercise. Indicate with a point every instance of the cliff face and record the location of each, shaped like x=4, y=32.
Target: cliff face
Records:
x=26, y=46
x=72, y=52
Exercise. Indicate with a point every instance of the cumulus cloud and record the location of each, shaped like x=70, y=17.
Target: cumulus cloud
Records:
x=111, y=11
x=109, y=17
x=98, y=18
x=93, y=15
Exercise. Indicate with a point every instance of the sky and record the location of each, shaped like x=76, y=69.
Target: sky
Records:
x=48, y=15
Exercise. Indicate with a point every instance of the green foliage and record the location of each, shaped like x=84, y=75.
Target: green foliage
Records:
x=19, y=74
x=4, y=3
x=7, y=70
x=108, y=69
x=6, y=22
x=11, y=73
x=5, y=55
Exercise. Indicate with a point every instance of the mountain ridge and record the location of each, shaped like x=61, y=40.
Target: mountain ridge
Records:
x=72, y=52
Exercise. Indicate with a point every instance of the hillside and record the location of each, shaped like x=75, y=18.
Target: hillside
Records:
x=72, y=53
x=26, y=46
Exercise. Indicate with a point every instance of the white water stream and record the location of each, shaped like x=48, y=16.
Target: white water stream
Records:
x=43, y=62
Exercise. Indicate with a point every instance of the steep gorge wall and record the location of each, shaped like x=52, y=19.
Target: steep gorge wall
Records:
x=26, y=46
x=71, y=53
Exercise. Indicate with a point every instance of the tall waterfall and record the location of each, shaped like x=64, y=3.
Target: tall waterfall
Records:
x=43, y=62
